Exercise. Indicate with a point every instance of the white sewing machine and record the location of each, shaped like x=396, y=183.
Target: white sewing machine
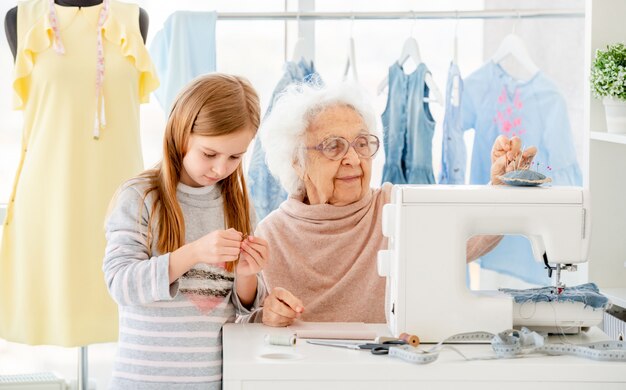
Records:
x=425, y=263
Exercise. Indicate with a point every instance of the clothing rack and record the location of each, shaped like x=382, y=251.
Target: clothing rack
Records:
x=309, y=16
x=544, y=13
x=539, y=13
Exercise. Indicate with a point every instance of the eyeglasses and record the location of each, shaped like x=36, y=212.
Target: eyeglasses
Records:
x=335, y=148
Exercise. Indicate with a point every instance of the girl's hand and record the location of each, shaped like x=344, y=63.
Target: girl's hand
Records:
x=218, y=246
x=506, y=156
x=253, y=257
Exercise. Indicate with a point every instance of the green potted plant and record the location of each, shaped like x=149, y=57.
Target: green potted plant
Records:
x=608, y=81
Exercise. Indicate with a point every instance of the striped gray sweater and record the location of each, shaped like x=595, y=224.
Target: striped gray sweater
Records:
x=169, y=334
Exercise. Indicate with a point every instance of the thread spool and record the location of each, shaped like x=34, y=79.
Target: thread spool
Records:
x=280, y=339
x=410, y=339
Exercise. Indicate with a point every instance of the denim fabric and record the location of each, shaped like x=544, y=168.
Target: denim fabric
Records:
x=266, y=191
x=453, y=151
x=183, y=50
x=408, y=129
x=494, y=103
x=587, y=293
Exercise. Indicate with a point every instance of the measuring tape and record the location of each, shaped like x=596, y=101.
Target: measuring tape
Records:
x=513, y=344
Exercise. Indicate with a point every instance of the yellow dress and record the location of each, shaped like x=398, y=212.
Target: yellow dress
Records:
x=52, y=288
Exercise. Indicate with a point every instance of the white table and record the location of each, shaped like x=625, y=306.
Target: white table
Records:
x=251, y=364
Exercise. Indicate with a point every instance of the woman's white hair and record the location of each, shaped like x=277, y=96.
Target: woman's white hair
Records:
x=283, y=131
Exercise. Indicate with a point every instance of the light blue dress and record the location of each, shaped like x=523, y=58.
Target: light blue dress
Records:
x=493, y=103
x=183, y=50
x=266, y=191
x=453, y=151
x=408, y=128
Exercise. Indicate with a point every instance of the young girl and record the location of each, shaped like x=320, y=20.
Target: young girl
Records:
x=180, y=261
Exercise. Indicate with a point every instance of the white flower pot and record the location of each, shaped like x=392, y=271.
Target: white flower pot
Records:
x=615, y=111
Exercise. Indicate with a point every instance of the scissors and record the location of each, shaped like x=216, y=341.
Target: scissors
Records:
x=375, y=348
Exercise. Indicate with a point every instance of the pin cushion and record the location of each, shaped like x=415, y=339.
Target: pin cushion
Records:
x=524, y=177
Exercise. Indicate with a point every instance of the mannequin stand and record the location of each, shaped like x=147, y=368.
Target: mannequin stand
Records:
x=83, y=370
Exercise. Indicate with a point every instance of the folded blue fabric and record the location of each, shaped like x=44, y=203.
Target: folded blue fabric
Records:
x=587, y=293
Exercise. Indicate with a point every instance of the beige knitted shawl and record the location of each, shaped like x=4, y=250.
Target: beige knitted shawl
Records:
x=326, y=256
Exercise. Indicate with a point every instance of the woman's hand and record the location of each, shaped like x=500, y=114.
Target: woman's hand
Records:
x=281, y=308
x=506, y=156
x=219, y=246
x=253, y=256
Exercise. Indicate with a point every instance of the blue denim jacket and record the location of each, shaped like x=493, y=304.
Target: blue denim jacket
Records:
x=266, y=191
x=408, y=128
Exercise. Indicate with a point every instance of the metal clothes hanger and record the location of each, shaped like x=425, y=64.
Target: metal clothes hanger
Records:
x=513, y=46
x=410, y=49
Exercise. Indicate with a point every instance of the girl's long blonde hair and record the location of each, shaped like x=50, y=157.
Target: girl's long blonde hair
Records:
x=211, y=105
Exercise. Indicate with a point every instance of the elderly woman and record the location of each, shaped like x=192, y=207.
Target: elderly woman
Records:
x=324, y=239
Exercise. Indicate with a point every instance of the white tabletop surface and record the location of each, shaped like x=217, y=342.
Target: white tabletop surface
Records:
x=247, y=358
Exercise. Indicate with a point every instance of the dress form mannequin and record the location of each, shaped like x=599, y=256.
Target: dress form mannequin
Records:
x=10, y=21
x=118, y=69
